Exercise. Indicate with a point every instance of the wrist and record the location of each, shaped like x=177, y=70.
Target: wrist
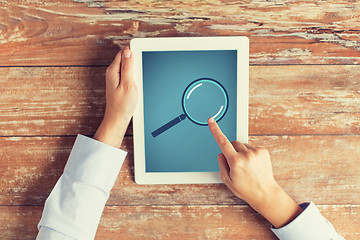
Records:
x=277, y=206
x=112, y=131
x=265, y=197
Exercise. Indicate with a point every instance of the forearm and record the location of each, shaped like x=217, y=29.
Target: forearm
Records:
x=309, y=225
x=75, y=204
x=276, y=206
x=111, y=131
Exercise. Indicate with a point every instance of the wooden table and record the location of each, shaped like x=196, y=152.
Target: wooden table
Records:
x=304, y=107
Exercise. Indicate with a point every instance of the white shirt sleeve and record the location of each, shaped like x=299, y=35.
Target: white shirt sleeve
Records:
x=309, y=225
x=74, y=207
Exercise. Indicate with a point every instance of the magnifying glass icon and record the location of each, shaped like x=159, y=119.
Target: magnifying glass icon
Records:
x=202, y=99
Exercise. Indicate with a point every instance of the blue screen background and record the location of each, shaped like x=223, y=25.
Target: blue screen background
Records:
x=186, y=147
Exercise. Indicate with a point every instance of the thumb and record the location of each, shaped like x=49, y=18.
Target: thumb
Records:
x=127, y=66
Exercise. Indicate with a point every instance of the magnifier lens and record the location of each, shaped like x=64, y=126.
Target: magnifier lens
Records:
x=204, y=99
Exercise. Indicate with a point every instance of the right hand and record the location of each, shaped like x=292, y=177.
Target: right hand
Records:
x=245, y=170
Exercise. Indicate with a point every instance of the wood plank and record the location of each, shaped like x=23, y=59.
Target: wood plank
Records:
x=177, y=222
x=82, y=32
x=304, y=100
x=323, y=169
x=283, y=100
x=51, y=101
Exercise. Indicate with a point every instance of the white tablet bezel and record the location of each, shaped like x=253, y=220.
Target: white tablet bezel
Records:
x=138, y=45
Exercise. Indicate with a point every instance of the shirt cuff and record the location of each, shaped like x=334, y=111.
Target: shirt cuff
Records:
x=94, y=162
x=46, y=233
x=75, y=205
x=310, y=224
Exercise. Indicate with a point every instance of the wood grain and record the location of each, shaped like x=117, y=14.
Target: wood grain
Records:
x=304, y=100
x=177, y=222
x=283, y=100
x=51, y=101
x=89, y=32
x=304, y=107
x=323, y=169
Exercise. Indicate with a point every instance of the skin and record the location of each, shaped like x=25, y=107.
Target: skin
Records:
x=121, y=99
x=246, y=170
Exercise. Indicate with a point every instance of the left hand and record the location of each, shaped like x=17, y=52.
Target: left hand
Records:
x=121, y=99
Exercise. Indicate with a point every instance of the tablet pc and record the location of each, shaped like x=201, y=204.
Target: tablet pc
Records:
x=182, y=82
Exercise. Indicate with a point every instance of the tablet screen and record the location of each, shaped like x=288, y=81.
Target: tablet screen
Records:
x=181, y=90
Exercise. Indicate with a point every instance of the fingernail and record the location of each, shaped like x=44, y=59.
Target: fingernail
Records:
x=211, y=120
x=127, y=53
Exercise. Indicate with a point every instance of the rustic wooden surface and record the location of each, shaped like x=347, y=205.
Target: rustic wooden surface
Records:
x=304, y=107
x=176, y=222
x=306, y=166
x=297, y=99
x=88, y=31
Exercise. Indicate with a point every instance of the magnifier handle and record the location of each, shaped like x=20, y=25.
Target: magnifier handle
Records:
x=168, y=125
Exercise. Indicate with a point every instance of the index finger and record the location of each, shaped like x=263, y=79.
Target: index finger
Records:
x=226, y=147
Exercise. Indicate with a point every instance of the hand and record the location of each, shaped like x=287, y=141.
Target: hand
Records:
x=121, y=99
x=247, y=172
